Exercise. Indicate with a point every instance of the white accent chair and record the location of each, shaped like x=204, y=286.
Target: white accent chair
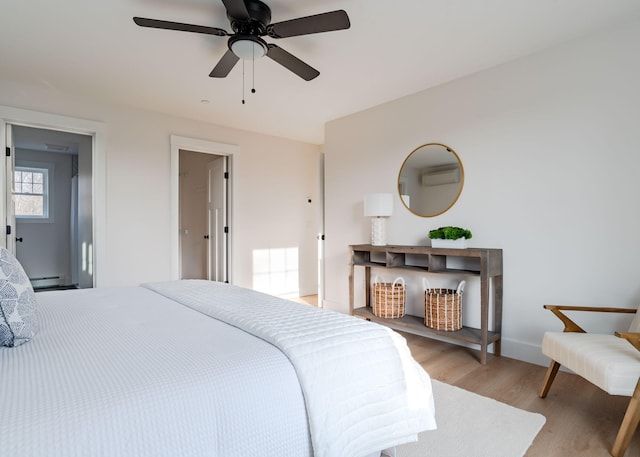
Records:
x=611, y=362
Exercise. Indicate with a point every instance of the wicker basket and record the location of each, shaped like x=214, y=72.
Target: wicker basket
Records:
x=443, y=308
x=389, y=298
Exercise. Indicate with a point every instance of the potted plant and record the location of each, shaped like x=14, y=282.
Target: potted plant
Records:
x=449, y=237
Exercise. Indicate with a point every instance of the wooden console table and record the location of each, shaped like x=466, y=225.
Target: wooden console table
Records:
x=434, y=260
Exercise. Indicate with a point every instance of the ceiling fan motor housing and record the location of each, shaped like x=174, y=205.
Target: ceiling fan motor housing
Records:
x=259, y=19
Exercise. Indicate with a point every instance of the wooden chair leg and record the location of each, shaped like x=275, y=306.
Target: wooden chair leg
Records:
x=629, y=424
x=552, y=371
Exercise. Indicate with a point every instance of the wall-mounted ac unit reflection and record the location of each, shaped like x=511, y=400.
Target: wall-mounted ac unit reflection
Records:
x=439, y=177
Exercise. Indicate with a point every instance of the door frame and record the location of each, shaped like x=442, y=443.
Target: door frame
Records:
x=321, y=233
x=7, y=210
x=97, y=131
x=206, y=147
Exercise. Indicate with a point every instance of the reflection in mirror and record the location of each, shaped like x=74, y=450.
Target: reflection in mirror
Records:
x=430, y=179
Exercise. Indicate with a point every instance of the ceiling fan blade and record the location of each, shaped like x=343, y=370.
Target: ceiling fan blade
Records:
x=158, y=24
x=225, y=65
x=292, y=63
x=236, y=9
x=318, y=23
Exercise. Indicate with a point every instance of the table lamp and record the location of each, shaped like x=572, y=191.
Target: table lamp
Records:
x=378, y=207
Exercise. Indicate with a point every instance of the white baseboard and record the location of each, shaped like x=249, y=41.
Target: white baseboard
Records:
x=47, y=281
x=526, y=352
x=335, y=306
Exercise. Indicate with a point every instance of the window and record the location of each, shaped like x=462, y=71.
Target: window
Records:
x=31, y=192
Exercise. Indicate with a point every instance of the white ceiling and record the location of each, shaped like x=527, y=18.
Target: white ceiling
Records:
x=393, y=48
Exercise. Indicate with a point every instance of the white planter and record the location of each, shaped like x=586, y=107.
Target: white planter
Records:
x=460, y=243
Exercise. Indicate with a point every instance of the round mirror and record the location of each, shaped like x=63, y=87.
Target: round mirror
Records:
x=430, y=179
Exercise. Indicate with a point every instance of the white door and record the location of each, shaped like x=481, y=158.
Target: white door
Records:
x=10, y=216
x=217, y=244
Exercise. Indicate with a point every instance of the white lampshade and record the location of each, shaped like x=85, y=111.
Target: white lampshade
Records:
x=378, y=205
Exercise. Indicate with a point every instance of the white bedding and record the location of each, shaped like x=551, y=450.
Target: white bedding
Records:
x=128, y=372
x=363, y=390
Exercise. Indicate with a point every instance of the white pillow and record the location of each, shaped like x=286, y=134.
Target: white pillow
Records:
x=18, y=319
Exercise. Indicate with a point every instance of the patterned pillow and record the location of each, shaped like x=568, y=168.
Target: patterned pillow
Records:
x=18, y=320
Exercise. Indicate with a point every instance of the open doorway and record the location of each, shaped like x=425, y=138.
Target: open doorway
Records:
x=212, y=150
x=203, y=214
x=52, y=203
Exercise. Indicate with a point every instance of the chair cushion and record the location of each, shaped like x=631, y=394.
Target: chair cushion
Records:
x=607, y=361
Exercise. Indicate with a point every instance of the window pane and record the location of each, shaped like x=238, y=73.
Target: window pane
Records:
x=17, y=181
x=30, y=192
x=29, y=205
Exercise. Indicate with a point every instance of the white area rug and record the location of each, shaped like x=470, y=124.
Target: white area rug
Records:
x=470, y=425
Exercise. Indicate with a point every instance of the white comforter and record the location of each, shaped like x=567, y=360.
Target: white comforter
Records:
x=125, y=372
x=119, y=372
x=363, y=390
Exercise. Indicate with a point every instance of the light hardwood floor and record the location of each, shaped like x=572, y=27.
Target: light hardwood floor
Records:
x=582, y=420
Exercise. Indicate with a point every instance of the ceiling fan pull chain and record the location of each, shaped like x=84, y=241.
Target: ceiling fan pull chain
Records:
x=253, y=71
x=243, y=82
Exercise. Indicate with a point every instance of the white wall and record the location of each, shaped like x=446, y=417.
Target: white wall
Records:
x=273, y=179
x=550, y=146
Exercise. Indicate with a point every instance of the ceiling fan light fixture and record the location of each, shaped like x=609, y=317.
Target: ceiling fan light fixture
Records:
x=247, y=47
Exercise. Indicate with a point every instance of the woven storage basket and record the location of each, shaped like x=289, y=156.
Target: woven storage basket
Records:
x=389, y=298
x=443, y=308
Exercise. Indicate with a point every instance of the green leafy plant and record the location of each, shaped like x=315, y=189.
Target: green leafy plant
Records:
x=449, y=233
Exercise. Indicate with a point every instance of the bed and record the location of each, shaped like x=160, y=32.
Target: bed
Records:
x=197, y=368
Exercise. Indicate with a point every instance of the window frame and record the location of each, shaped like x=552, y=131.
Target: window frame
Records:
x=48, y=170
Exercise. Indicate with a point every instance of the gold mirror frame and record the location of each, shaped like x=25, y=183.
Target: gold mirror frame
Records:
x=430, y=180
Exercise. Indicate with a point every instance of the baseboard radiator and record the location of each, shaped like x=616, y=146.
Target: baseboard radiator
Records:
x=47, y=282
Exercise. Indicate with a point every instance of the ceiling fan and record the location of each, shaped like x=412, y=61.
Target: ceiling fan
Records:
x=250, y=21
